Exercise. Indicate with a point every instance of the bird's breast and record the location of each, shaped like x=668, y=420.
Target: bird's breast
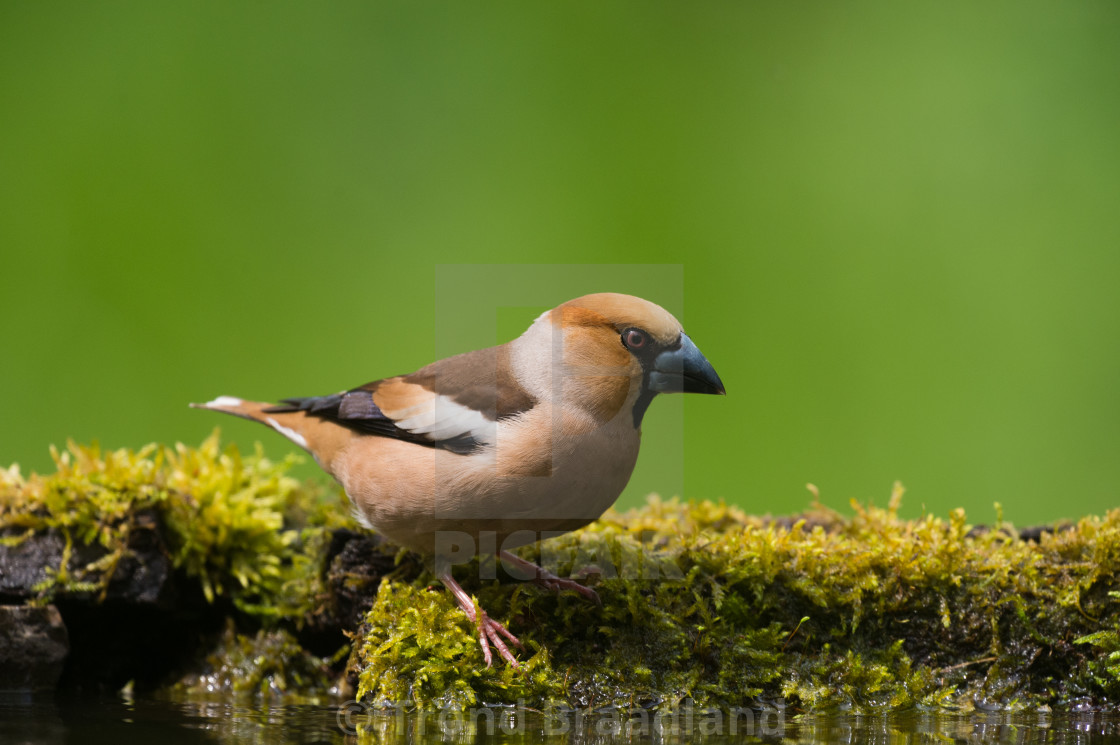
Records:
x=548, y=471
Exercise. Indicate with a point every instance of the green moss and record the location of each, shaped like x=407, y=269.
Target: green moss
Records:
x=238, y=524
x=1104, y=670
x=269, y=666
x=870, y=613
x=417, y=641
x=876, y=679
x=699, y=600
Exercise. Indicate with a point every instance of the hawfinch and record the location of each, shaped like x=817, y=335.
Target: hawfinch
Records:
x=493, y=448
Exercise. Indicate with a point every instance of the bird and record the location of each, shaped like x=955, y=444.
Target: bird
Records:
x=493, y=449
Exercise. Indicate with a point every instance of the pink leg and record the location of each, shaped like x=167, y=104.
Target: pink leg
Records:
x=547, y=579
x=489, y=630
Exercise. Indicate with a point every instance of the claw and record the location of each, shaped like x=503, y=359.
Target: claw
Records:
x=559, y=584
x=546, y=579
x=490, y=632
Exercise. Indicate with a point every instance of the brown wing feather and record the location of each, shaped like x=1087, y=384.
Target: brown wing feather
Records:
x=481, y=380
x=450, y=404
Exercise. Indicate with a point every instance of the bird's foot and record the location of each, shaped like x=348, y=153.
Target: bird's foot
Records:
x=559, y=584
x=490, y=632
x=546, y=579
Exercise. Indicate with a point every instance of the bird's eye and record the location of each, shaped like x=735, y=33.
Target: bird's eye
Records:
x=634, y=339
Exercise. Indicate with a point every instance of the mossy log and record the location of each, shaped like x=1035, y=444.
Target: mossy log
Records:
x=263, y=588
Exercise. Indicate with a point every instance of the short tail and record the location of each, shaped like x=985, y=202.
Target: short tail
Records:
x=321, y=438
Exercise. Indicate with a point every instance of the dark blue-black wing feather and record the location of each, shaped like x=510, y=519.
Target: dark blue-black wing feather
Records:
x=356, y=410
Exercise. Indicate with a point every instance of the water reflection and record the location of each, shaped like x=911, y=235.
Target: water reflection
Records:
x=33, y=720
x=387, y=728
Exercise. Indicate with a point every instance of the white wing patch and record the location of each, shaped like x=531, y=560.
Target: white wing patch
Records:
x=440, y=418
x=288, y=432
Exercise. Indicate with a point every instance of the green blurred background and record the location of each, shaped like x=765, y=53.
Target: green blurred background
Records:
x=893, y=228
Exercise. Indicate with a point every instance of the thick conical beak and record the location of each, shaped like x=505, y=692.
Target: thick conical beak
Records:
x=684, y=370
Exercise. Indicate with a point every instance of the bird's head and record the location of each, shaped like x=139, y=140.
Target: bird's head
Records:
x=617, y=351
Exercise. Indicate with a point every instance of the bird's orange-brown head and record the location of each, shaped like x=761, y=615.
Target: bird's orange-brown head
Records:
x=618, y=349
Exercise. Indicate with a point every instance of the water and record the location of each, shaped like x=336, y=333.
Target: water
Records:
x=35, y=720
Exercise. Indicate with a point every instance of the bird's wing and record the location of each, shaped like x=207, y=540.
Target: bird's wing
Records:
x=453, y=404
